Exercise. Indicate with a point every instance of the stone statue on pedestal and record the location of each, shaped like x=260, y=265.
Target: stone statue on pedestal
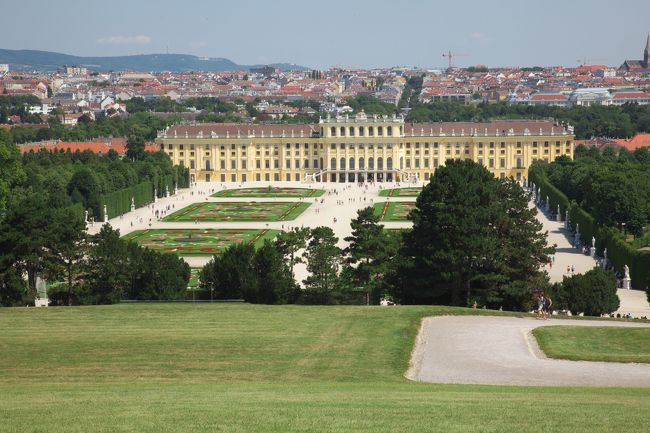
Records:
x=86, y=217
x=105, y=214
x=132, y=204
x=627, y=282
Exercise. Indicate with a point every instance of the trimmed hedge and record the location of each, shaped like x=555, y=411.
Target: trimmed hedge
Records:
x=119, y=202
x=619, y=251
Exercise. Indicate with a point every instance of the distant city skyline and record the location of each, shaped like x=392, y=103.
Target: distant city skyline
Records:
x=359, y=34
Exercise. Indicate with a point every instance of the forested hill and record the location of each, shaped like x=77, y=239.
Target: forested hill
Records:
x=50, y=61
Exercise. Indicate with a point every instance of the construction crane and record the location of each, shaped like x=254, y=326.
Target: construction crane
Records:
x=449, y=55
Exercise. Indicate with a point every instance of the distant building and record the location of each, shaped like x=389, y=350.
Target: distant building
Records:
x=590, y=96
x=639, y=65
x=75, y=70
x=4, y=67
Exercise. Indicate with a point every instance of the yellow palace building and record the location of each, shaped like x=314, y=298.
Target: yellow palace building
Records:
x=360, y=148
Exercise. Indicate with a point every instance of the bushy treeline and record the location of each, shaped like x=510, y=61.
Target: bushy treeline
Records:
x=594, y=121
x=139, y=124
x=614, y=187
x=65, y=179
x=42, y=231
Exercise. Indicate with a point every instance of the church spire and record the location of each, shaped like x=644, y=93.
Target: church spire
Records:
x=646, y=53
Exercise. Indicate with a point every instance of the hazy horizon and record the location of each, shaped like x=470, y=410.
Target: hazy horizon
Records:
x=363, y=34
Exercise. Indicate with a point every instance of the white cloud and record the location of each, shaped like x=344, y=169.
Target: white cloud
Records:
x=479, y=37
x=125, y=40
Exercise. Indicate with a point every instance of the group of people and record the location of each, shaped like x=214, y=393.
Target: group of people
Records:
x=544, y=306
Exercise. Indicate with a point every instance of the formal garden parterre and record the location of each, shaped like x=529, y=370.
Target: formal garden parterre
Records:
x=198, y=242
x=238, y=211
x=394, y=211
x=400, y=192
x=269, y=192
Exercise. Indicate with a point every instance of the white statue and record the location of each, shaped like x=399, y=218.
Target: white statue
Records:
x=627, y=272
x=593, y=242
x=105, y=214
x=86, y=217
x=605, y=253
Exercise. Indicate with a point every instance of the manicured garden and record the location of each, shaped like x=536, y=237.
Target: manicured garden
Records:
x=238, y=212
x=198, y=242
x=248, y=368
x=579, y=343
x=400, y=192
x=394, y=211
x=263, y=191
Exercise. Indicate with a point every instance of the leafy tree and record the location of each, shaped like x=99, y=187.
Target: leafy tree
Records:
x=289, y=243
x=10, y=167
x=135, y=147
x=275, y=283
x=25, y=237
x=108, y=272
x=323, y=261
x=231, y=275
x=369, y=252
x=473, y=236
x=156, y=276
x=592, y=293
x=68, y=248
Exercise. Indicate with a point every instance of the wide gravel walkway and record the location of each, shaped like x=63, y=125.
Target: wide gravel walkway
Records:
x=502, y=351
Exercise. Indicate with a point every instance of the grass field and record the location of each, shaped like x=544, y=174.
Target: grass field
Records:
x=595, y=344
x=197, y=242
x=285, y=192
x=245, y=368
x=400, y=192
x=393, y=211
x=238, y=212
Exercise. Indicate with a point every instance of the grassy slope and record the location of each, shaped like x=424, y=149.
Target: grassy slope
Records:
x=243, y=368
x=595, y=344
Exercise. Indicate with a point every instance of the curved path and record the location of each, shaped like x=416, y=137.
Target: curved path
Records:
x=502, y=351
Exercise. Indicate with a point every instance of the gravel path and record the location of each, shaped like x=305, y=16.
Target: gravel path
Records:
x=502, y=351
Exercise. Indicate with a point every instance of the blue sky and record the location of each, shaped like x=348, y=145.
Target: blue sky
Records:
x=353, y=33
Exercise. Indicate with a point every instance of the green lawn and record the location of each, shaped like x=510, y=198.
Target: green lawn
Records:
x=238, y=212
x=400, y=192
x=284, y=192
x=245, y=368
x=595, y=344
x=198, y=242
x=393, y=210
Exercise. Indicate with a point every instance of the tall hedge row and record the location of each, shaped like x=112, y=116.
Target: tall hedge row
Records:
x=619, y=251
x=119, y=202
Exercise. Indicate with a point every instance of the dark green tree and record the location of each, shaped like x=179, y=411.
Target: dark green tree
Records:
x=369, y=253
x=231, y=275
x=275, y=283
x=11, y=169
x=323, y=262
x=592, y=293
x=135, y=147
x=108, y=269
x=290, y=243
x=473, y=236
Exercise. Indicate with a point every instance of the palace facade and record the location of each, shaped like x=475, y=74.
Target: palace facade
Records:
x=360, y=148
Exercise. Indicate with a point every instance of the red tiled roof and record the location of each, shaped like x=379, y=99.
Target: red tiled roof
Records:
x=639, y=140
x=548, y=97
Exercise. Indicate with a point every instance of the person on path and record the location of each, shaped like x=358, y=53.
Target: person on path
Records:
x=540, y=306
x=548, y=307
